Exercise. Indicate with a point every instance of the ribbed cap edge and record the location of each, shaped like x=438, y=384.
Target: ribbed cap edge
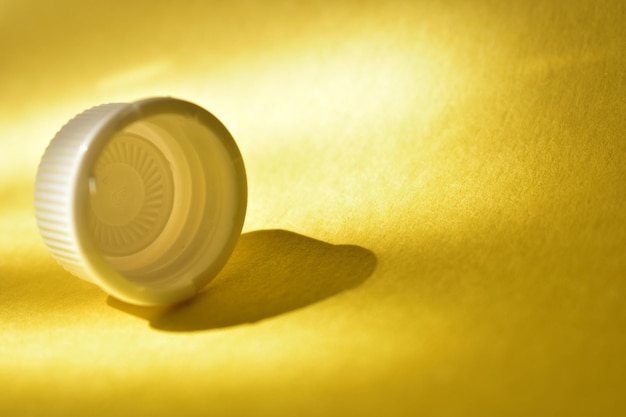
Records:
x=54, y=186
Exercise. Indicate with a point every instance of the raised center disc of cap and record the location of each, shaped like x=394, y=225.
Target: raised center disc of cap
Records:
x=118, y=195
x=132, y=195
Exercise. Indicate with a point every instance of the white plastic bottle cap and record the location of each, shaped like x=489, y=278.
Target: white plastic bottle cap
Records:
x=144, y=199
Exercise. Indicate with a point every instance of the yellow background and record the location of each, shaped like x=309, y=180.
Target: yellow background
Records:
x=447, y=178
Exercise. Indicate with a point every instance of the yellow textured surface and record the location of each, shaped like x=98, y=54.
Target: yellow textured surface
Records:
x=447, y=179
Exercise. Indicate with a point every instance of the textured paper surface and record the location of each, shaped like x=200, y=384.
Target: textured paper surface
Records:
x=437, y=219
